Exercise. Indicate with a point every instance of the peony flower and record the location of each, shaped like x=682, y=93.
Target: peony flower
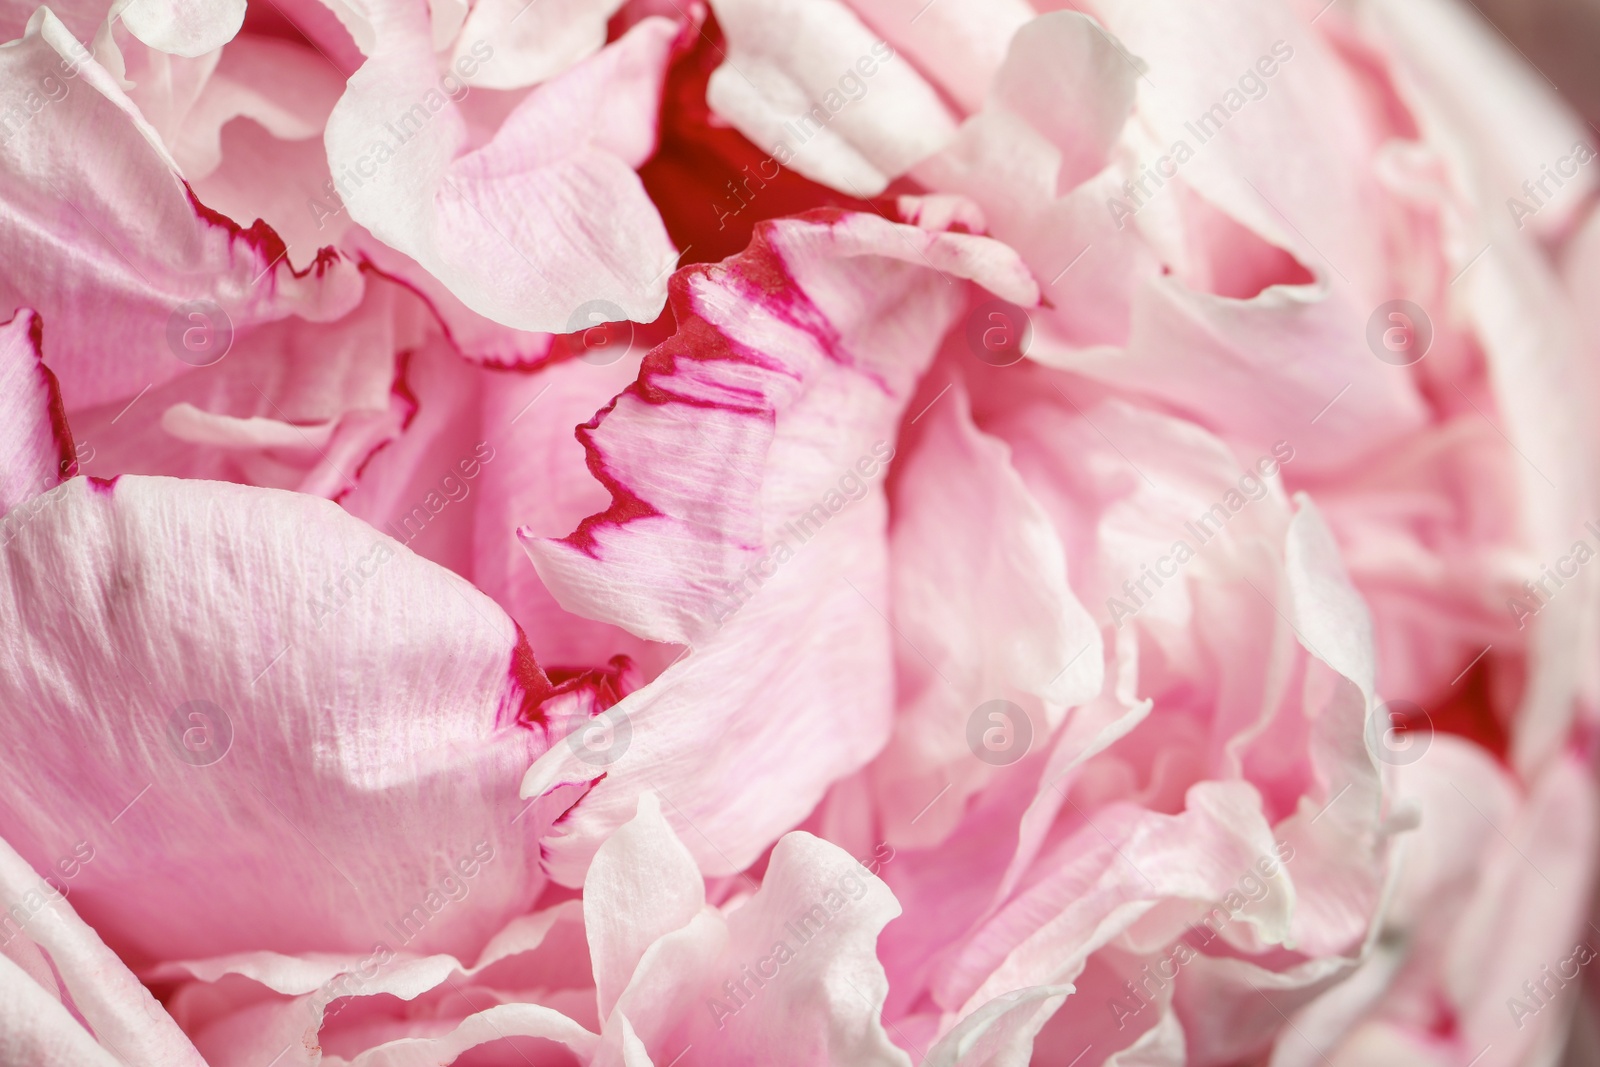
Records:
x=810, y=533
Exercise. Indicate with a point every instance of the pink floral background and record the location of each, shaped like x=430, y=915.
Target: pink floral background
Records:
x=965, y=533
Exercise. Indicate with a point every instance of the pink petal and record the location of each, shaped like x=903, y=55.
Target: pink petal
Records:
x=494, y=1023
x=776, y=349
x=1474, y=91
x=75, y=996
x=664, y=994
x=40, y=1029
x=959, y=45
x=290, y=398
x=642, y=885
x=286, y=89
x=179, y=27
x=339, y=1001
x=810, y=84
x=533, y=43
x=1039, y=170
x=983, y=605
x=182, y=27
x=733, y=781
x=1124, y=856
x=1488, y=898
x=284, y=183
x=1247, y=365
x=1415, y=522
x=824, y=1006
x=815, y=1000
x=289, y=727
x=1065, y=56
x=417, y=487
x=95, y=204
x=539, y=481
x=1534, y=890
x=565, y=154
x=36, y=450
x=1305, y=201
x=81, y=17
x=475, y=337
x=1000, y=1032
x=755, y=419
x=1535, y=334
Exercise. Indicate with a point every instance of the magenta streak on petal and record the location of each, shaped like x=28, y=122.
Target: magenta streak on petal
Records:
x=528, y=688
x=103, y=485
x=562, y=348
x=544, y=846
x=797, y=308
x=60, y=431
x=626, y=505
x=609, y=683
x=697, y=340
x=762, y=268
x=262, y=239
x=400, y=387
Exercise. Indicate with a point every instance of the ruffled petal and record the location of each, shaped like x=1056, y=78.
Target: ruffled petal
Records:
x=742, y=736
x=533, y=42
x=181, y=27
x=742, y=469
x=959, y=46
x=786, y=375
x=295, y=405
x=95, y=204
x=1001, y=1033
x=642, y=885
x=387, y=1003
x=67, y=997
x=983, y=605
x=1035, y=159
x=286, y=89
x=824, y=1001
x=507, y=227
x=808, y=83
